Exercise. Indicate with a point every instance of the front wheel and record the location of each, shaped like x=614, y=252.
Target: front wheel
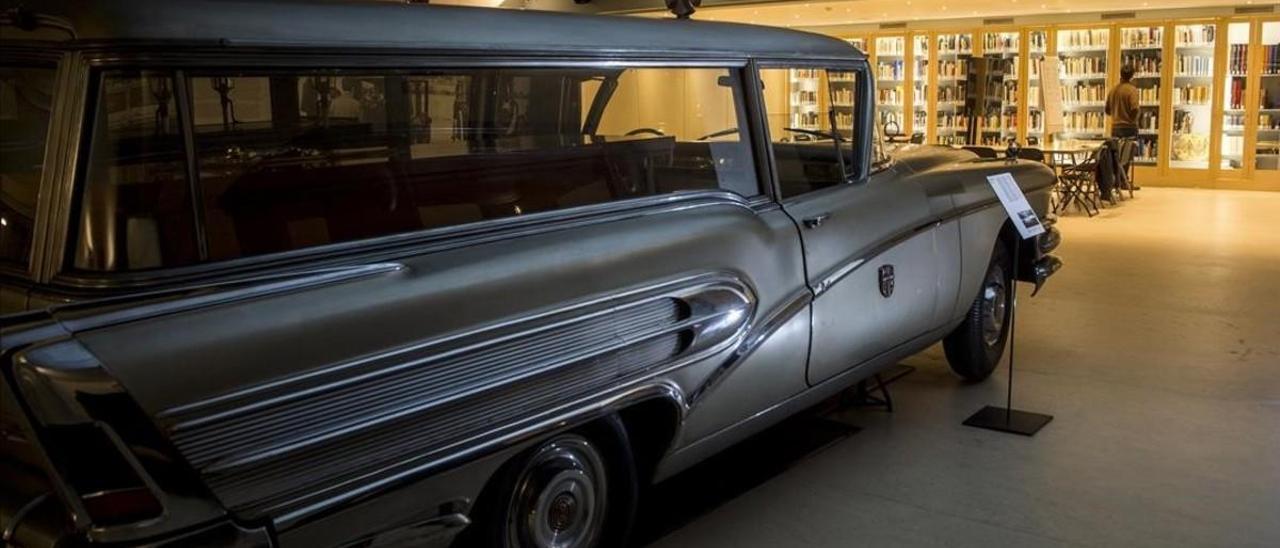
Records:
x=975, y=346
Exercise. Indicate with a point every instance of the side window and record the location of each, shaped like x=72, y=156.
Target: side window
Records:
x=135, y=210
x=811, y=113
x=294, y=159
x=26, y=95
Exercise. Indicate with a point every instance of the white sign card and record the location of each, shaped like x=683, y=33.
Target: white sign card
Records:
x=1016, y=204
x=1051, y=96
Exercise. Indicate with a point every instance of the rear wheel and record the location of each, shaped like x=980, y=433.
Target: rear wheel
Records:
x=975, y=347
x=575, y=490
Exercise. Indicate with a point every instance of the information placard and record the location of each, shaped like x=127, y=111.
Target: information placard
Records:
x=1016, y=204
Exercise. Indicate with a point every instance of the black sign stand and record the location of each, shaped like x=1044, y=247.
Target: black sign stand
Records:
x=1008, y=419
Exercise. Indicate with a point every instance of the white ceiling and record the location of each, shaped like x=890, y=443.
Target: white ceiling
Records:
x=802, y=13
x=820, y=13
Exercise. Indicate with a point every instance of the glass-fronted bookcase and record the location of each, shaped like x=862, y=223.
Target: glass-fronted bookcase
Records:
x=1209, y=90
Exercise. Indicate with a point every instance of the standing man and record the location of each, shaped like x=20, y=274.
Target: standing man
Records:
x=1122, y=105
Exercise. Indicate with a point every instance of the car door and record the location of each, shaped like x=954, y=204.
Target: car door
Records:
x=869, y=243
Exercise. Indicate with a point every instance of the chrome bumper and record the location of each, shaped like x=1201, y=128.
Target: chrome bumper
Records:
x=1046, y=265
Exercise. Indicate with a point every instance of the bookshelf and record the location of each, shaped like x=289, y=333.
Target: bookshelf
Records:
x=1082, y=54
x=920, y=53
x=1001, y=52
x=1143, y=49
x=953, y=104
x=1267, y=141
x=1037, y=48
x=1234, y=101
x=890, y=75
x=804, y=109
x=1193, y=67
x=1214, y=91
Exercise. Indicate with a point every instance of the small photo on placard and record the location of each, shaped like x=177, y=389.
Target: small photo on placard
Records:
x=1016, y=205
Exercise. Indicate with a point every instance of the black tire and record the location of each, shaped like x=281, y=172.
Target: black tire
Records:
x=975, y=347
x=579, y=485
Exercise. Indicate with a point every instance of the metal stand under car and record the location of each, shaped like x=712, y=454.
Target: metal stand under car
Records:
x=1008, y=419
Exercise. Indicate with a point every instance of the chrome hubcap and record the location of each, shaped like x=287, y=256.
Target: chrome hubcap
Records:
x=994, y=304
x=559, y=501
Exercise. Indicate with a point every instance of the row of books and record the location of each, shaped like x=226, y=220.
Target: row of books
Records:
x=1238, y=59
x=1191, y=95
x=1082, y=39
x=1083, y=66
x=1265, y=121
x=952, y=43
x=1143, y=37
x=1142, y=64
x=1271, y=59
x=1082, y=93
x=1236, y=94
x=1196, y=35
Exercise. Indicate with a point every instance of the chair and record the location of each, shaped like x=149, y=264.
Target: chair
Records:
x=1125, y=162
x=1079, y=184
x=1033, y=154
x=982, y=152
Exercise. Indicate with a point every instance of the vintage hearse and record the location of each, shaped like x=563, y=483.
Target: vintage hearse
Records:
x=288, y=273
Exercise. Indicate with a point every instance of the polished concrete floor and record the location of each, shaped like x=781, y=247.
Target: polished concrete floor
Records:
x=1157, y=349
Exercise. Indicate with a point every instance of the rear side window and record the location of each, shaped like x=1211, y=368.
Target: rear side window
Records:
x=286, y=160
x=136, y=208
x=26, y=96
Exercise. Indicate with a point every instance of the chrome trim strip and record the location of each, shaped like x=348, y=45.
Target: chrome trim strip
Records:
x=567, y=415
x=15, y=520
x=834, y=275
x=231, y=291
x=61, y=187
x=439, y=526
x=692, y=285
x=359, y=424
x=758, y=333
x=397, y=246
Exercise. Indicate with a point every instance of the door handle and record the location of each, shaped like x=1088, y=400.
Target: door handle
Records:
x=816, y=221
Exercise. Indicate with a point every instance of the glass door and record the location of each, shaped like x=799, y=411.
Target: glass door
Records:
x=1235, y=94
x=953, y=108
x=1000, y=107
x=1083, y=55
x=1267, y=149
x=919, y=84
x=1142, y=48
x=1193, y=88
x=890, y=81
x=1036, y=48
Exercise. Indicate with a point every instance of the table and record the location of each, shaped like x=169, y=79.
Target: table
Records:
x=1064, y=156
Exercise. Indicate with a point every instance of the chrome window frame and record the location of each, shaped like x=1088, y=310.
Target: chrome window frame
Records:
x=84, y=67
x=31, y=271
x=864, y=109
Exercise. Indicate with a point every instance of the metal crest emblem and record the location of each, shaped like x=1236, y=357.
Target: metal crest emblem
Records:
x=886, y=280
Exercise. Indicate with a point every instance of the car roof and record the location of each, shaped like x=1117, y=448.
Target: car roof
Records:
x=353, y=24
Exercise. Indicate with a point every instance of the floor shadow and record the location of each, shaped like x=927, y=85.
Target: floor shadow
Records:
x=693, y=493
x=680, y=500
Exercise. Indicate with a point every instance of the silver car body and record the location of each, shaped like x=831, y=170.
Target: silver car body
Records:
x=367, y=392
